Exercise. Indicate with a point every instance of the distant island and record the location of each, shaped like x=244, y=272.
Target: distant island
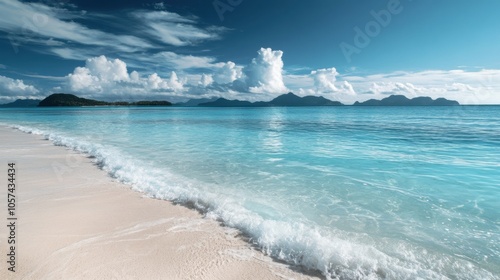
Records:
x=401, y=100
x=285, y=100
x=290, y=99
x=21, y=103
x=195, y=102
x=63, y=99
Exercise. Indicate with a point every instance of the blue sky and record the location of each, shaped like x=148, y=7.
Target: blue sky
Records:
x=346, y=50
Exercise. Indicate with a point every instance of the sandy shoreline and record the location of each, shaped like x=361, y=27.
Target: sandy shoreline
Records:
x=75, y=222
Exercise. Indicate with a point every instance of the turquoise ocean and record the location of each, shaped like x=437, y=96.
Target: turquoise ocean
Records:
x=354, y=192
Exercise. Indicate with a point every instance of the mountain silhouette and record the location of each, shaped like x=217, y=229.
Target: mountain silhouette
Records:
x=288, y=99
x=401, y=100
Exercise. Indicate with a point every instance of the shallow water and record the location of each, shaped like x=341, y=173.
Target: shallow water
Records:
x=357, y=193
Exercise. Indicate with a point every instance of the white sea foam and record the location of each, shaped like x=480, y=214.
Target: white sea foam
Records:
x=334, y=253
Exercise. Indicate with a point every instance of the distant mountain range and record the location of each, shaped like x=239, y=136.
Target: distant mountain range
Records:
x=291, y=99
x=401, y=100
x=285, y=100
x=63, y=99
x=21, y=103
x=195, y=102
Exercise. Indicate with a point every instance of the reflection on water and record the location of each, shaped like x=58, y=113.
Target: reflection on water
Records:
x=271, y=137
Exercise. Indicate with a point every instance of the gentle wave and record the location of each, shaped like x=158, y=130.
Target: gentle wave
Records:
x=335, y=254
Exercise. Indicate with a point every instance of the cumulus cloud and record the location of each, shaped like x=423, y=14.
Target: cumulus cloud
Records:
x=206, y=80
x=12, y=89
x=155, y=82
x=110, y=76
x=108, y=70
x=324, y=79
x=347, y=88
x=82, y=79
x=15, y=86
x=135, y=77
x=98, y=74
x=228, y=72
x=325, y=82
x=264, y=73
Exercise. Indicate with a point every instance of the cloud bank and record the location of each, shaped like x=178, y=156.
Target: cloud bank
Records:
x=103, y=77
x=12, y=89
x=263, y=78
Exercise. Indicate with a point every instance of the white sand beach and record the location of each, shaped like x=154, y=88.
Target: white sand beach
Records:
x=76, y=222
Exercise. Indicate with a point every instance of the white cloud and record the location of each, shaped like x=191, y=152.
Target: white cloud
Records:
x=264, y=74
x=173, y=29
x=175, y=83
x=67, y=32
x=167, y=61
x=71, y=53
x=467, y=87
x=228, y=72
x=156, y=82
x=461, y=87
x=324, y=80
x=12, y=89
x=103, y=77
x=15, y=86
x=29, y=21
x=348, y=88
x=83, y=80
x=206, y=80
x=98, y=74
x=178, y=61
x=396, y=88
x=135, y=77
x=108, y=70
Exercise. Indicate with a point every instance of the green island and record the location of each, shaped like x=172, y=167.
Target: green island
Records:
x=64, y=99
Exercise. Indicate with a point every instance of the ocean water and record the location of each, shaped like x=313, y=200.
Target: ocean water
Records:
x=356, y=193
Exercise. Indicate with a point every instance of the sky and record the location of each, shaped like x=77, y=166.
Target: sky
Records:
x=345, y=50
